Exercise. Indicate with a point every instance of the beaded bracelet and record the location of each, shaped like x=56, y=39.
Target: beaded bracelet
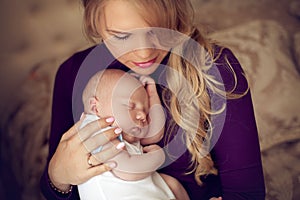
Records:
x=58, y=190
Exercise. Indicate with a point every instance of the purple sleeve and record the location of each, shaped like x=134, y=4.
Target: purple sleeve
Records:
x=237, y=153
x=61, y=118
x=64, y=106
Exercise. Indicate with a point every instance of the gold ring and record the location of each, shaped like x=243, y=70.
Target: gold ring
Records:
x=89, y=160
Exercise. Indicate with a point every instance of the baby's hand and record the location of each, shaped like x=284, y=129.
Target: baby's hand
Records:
x=146, y=80
x=156, y=116
x=151, y=148
x=150, y=86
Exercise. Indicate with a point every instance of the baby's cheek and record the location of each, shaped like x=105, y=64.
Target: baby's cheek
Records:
x=124, y=119
x=132, y=115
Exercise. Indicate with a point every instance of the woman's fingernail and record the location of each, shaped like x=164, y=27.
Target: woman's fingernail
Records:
x=82, y=115
x=112, y=165
x=118, y=131
x=110, y=119
x=120, y=145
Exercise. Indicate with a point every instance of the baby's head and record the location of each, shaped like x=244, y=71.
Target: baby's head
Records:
x=113, y=92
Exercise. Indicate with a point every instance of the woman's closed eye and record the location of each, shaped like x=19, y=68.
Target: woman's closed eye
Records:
x=122, y=36
x=125, y=36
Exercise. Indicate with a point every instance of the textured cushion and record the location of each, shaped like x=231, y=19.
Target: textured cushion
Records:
x=38, y=36
x=262, y=48
x=27, y=131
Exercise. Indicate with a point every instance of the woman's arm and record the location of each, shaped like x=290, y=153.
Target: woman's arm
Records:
x=67, y=161
x=61, y=121
x=237, y=153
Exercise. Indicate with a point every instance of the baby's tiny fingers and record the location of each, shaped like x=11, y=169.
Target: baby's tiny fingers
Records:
x=147, y=80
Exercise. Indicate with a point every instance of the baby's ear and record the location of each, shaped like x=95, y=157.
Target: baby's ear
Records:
x=94, y=103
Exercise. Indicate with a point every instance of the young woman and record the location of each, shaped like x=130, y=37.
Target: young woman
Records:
x=210, y=137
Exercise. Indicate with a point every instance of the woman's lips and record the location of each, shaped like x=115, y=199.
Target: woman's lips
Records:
x=145, y=64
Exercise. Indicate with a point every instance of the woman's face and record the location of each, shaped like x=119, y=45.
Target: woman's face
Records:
x=129, y=38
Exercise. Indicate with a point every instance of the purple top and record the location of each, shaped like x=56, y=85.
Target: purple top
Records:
x=235, y=146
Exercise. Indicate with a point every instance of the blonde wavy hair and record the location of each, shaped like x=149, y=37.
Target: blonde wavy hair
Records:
x=178, y=15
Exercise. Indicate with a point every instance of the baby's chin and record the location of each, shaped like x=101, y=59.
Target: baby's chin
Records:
x=130, y=138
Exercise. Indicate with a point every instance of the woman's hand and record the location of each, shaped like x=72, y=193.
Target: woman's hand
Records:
x=72, y=163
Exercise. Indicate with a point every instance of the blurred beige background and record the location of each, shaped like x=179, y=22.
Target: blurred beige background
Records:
x=38, y=35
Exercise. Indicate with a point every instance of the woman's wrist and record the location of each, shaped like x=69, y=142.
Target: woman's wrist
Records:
x=60, y=188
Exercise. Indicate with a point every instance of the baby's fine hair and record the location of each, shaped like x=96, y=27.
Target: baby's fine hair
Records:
x=100, y=85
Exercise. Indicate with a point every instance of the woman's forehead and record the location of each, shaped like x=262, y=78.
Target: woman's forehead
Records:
x=123, y=16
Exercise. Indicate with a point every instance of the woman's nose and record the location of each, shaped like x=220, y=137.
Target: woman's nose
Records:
x=144, y=53
x=145, y=47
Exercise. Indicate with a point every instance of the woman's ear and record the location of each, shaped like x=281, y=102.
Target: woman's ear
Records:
x=94, y=104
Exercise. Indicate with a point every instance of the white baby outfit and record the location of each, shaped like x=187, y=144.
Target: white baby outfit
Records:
x=108, y=187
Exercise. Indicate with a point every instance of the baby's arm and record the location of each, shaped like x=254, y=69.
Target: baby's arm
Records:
x=156, y=113
x=136, y=167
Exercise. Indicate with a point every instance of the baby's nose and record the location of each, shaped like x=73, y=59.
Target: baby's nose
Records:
x=141, y=116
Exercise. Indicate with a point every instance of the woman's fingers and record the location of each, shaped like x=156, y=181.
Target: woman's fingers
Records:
x=102, y=138
x=72, y=155
x=94, y=171
x=73, y=130
x=94, y=126
x=107, y=153
x=98, y=163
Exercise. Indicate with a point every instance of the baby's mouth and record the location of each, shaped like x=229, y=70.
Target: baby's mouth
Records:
x=136, y=131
